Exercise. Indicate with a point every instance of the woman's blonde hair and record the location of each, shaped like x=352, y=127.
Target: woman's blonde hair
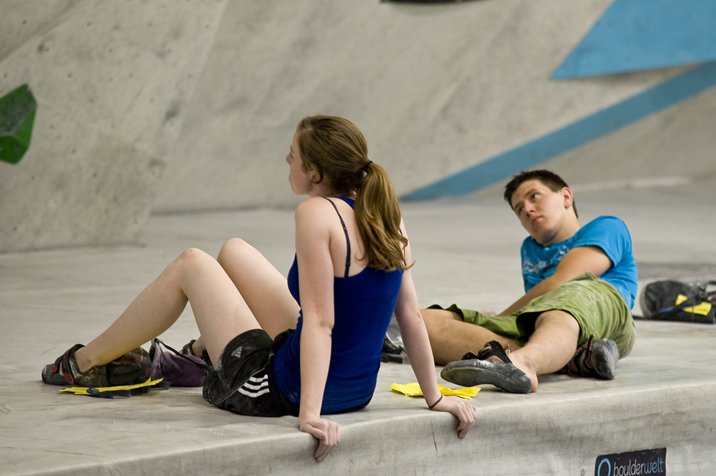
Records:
x=336, y=149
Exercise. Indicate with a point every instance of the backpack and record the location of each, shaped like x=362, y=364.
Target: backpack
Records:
x=177, y=369
x=670, y=300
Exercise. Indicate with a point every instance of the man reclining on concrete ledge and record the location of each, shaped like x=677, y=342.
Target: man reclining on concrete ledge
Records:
x=580, y=284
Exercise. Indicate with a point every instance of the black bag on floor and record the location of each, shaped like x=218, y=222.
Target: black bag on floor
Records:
x=129, y=369
x=670, y=300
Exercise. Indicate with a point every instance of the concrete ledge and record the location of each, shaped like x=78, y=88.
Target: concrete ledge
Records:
x=661, y=397
x=561, y=429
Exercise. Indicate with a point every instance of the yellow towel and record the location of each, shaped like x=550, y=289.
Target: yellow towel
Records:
x=111, y=392
x=413, y=390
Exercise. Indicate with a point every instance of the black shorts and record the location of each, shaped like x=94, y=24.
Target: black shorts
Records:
x=242, y=381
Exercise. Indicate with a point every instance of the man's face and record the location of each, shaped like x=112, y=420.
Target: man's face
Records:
x=541, y=211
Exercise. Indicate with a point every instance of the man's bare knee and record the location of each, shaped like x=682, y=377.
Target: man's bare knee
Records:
x=445, y=340
x=436, y=323
x=438, y=315
x=557, y=318
x=553, y=342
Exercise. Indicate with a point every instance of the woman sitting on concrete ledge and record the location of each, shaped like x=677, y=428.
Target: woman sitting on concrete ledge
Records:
x=310, y=348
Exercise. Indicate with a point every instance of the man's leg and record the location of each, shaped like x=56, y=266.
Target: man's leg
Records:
x=550, y=347
x=451, y=338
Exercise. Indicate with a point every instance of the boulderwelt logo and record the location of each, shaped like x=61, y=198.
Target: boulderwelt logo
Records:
x=633, y=463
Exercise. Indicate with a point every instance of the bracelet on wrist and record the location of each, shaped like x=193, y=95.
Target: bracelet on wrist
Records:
x=430, y=407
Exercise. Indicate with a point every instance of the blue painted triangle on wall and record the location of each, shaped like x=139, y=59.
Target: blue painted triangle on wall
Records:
x=635, y=35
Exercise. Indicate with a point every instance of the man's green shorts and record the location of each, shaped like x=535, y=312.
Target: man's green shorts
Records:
x=597, y=307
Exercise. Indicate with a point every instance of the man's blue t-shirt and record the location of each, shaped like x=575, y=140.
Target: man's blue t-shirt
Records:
x=608, y=233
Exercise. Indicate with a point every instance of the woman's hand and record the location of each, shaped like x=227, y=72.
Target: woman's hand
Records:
x=462, y=409
x=324, y=431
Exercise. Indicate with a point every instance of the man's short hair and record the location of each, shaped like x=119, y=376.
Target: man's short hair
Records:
x=550, y=179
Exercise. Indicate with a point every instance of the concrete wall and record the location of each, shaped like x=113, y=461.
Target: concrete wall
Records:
x=112, y=80
x=186, y=106
x=434, y=88
x=674, y=148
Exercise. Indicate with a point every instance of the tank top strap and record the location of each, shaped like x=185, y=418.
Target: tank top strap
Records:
x=345, y=232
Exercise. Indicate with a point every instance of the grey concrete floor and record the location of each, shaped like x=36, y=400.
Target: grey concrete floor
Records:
x=466, y=251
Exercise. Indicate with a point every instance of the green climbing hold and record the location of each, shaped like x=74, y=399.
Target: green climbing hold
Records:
x=17, y=116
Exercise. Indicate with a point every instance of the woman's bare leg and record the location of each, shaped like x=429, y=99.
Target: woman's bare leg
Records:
x=220, y=311
x=261, y=285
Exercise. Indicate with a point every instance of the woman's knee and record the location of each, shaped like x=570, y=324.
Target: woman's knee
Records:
x=192, y=257
x=231, y=250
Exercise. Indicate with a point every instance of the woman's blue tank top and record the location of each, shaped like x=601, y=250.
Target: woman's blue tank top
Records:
x=363, y=305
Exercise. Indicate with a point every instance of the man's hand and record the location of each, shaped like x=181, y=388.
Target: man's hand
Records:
x=324, y=431
x=461, y=409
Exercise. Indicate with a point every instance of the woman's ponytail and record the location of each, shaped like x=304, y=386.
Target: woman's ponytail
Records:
x=378, y=217
x=337, y=150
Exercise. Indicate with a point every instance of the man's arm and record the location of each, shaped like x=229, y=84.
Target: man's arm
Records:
x=579, y=260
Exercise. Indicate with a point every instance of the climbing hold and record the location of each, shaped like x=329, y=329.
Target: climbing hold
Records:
x=17, y=116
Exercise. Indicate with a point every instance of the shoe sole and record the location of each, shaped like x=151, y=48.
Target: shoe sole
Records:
x=469, y=373
x=604, y=359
